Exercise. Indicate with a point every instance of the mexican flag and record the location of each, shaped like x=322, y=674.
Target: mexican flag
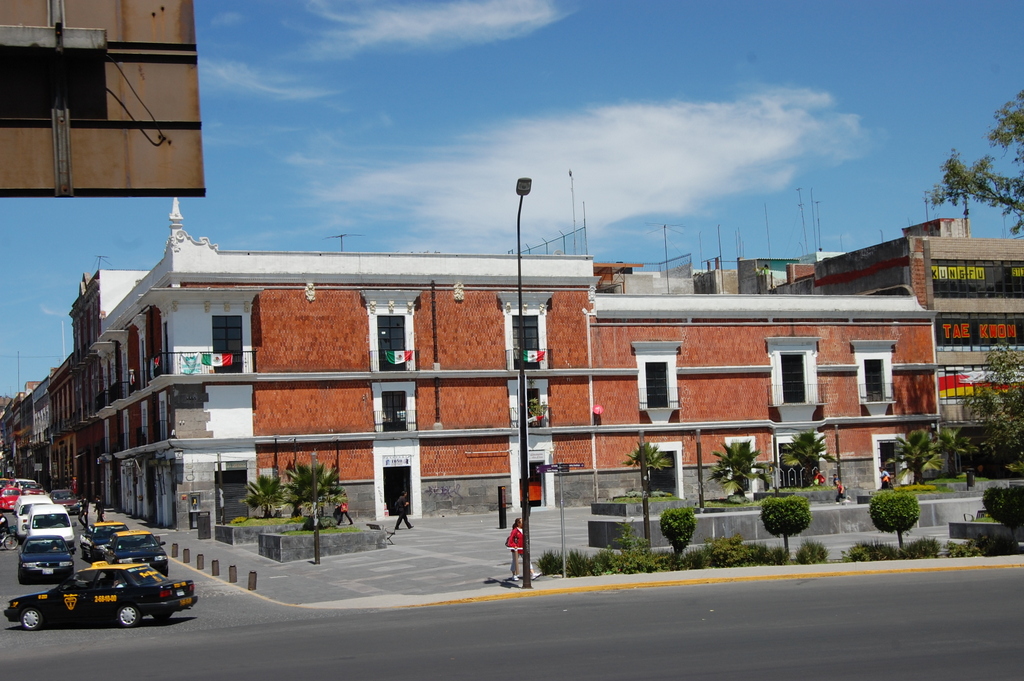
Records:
x=216, y=359
x=534, y=355
x=398, y=356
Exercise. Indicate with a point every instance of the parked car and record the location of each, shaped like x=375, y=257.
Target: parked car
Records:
x=50, y=519
x=136, y=546
x=65, y=498
x=9, y=495
x=123, y=594
x=44, y=558
x=21, y=510
x=96, y=536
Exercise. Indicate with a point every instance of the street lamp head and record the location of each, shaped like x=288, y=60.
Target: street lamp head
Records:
x=523, y=185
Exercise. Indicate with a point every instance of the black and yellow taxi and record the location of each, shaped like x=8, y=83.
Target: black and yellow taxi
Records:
x=95, y=536
x=136, y=546
x=123, y=594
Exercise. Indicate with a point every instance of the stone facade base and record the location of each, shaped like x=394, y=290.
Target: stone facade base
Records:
x=233, y=534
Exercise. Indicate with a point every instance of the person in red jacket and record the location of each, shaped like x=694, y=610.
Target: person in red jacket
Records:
x=515, y=544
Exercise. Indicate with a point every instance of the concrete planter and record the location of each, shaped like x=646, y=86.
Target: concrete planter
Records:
x=235, y=534
x=975, y=531
x=630, y=509
x=288, y=547
x=827, y=519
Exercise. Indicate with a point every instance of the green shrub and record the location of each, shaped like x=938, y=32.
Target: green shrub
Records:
x=326, y=523
x=239, y=520
x=785, y=516
x=729, y=552
x=870, y=551
x=579, y=564
x=550, y=563
x=896, y=511
x=678, y=526
x=762, y=554
x=967, y=549
x=634, y=553
x=919, y=489
x=811, y=553
x=1006, y=506
x=997, y=546
x=697, y=558
x=604, y=562
x=926, y=547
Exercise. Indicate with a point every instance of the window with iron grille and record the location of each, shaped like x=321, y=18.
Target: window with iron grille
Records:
x=227, y=340
x=393, y=406
x=657, y=384
x=874, y=380
x=390, y=337
x=531, y=338
x=794, y=387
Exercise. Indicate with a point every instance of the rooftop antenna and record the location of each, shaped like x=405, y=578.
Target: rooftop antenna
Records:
x=100, y=259
x=802, y=221
x=720, y=263
x=664, y=233
x=768, y=231
x=586, y=246
x=926, y=218
x=572, y=192
x=817, y=206
x=341, y=240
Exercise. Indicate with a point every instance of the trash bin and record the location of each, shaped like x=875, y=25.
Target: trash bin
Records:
x=970, y=479
x=203, y=524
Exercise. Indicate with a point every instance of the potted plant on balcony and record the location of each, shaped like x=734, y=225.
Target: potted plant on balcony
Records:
x=538, y=410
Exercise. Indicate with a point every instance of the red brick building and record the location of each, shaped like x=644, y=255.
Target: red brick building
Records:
x=401, y=371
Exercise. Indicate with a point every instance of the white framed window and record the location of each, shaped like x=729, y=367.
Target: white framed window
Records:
x=533, y=350
x=755, y=485
x=536, y=400
x=874, y=370
x=657, y=386
x=794, y=370
x=394, y=406
x=391, y=338
x=883, y=449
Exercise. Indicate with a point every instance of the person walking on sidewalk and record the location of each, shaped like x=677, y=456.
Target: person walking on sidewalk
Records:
x=342, y=512
x=402, y=509
x=515, y=543
x=98, y=505
x=83, y=515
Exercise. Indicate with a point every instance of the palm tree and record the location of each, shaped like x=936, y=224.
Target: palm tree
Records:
x=955, y=446
x=266, y=494
x=656, y=459
x=916, y=454
x=807, y=450
x=737, y=463
x=299, y=490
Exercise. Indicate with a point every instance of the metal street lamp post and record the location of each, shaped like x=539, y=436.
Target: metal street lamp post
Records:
x=523, y=186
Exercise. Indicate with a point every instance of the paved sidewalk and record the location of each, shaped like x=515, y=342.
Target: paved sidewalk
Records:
x=457, y=558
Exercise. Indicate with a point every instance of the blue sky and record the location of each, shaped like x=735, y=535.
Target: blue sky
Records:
x=407, y=123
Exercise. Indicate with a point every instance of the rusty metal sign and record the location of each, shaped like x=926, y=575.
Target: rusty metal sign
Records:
x=99, y=98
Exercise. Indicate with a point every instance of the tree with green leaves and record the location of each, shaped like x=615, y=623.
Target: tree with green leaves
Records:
x=737, y=464
x=1006, y=506
x=979, y=181
x=678, y=526
x=998, y=403
x=299, y=490
x=265, y=493
x=894, y=511
x=785, y=516
x=807, y=450
x=915, y=454
x=656, y=459
x=955, y=447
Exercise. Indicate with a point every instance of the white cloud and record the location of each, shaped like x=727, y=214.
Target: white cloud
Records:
x=227, y=19
x=429, y=25
x=238, y=77
x=629, y=160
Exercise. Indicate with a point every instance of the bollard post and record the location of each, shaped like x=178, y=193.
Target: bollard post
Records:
x=186, y=556
x=252, y=580
x=200, y=561
x=174, y=550
x=232, y=574
x=215, y=568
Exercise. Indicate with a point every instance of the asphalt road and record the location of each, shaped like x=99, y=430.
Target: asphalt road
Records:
x=950, y=625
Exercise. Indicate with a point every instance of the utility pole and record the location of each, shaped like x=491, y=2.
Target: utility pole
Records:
x=645, y=486
x=316, y=512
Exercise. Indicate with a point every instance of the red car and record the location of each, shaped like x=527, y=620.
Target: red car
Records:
x=8, y=496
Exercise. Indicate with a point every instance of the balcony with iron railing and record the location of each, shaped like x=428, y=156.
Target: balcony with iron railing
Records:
x=658, y=402
x=530, y=359
x=536, y=419
x=394, y=360
x=876, y=392
x=101, y=400
x=141, y=436
x=794, y=393
x=397, y=420
x=196, y=363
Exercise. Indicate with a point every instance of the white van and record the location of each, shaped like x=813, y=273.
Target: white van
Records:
x=21, y=509
x=51, y=519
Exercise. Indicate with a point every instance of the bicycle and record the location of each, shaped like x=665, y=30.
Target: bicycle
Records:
x=9, y=542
